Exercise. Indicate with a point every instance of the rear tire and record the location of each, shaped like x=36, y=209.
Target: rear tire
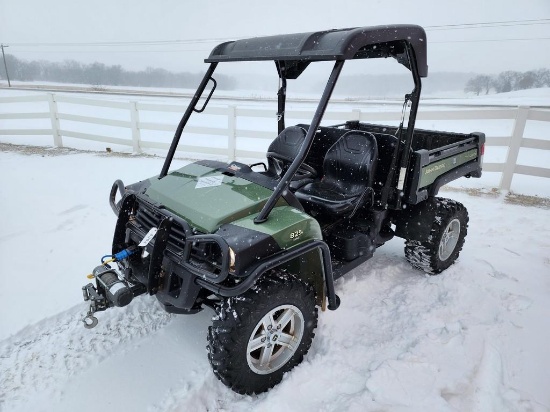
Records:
x=445, y=241
x=259, y=336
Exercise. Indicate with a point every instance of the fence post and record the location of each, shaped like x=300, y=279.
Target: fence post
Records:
x=136, y=135
x=356, y=114
x=231, y=132
x=57, y=141
x=513, y=149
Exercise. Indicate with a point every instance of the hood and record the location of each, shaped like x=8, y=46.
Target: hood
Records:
x=205, y=197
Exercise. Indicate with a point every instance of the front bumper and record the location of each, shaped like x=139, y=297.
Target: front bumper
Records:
x=177, y=256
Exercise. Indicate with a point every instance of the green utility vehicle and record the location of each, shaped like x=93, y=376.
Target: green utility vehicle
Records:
x=262, y=246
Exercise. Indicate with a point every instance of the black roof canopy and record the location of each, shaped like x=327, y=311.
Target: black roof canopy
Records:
x=297, y=50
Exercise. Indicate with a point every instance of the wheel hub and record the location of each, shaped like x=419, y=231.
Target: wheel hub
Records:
x=275, y=339
x=449, y=239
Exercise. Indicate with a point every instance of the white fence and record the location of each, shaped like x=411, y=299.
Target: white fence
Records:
x=514, y=142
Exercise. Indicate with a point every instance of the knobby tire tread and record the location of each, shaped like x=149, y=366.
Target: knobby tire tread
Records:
x=236, y=317
x=424, y=255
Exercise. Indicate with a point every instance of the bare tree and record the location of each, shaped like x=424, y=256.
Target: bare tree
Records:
x=527, y=80
x=478, y=83
x=542, y=78
x=506, y=81
x=99, y=74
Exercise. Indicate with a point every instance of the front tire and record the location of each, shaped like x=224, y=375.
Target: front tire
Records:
x=259, y=336
x=445, y=240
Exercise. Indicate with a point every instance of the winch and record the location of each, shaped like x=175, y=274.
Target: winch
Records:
x=111, y=288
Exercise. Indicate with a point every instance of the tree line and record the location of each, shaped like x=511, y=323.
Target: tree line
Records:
x=99, y=74
x=508, y=81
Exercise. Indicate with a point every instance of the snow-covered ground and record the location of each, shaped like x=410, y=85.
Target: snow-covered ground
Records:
x=474, y=338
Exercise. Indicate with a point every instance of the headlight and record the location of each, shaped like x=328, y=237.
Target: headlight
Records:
x=232, y=258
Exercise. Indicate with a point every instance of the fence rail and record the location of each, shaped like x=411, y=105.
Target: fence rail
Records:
x=132, y=111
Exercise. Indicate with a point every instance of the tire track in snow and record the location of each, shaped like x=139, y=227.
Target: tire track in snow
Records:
x=394, y=325
x=41, y=357
x=381, y=323
x=400, y=341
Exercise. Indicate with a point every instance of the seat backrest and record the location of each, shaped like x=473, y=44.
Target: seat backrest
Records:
x=349, y=164
x=285, y=148
x=324, y=138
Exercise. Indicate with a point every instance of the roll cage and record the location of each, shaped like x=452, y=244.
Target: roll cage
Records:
x=292, y=53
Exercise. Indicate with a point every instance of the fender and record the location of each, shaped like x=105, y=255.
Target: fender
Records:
x=285, y=256
x=415, y=222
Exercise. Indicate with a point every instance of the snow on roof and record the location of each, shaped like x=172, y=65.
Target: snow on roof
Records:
x=338, y=44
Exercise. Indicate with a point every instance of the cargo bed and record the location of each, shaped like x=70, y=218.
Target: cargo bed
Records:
x=437, y=157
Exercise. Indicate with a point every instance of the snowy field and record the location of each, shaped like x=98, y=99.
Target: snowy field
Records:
x=474, y=338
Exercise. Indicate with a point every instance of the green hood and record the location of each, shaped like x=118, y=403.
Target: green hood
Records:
x=206, y=198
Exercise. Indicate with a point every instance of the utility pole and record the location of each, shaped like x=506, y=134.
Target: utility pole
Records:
x=5, y=65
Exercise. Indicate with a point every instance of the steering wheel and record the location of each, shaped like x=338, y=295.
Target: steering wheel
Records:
x=304, y=171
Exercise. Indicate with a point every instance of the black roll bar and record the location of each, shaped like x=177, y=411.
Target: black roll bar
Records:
x=196, y=97
x=283, y=183
x=281, y=95
x=415, y=99
x=403, y=149
x=281, y=101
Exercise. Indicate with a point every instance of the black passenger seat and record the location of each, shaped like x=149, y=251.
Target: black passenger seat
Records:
x=348, y=170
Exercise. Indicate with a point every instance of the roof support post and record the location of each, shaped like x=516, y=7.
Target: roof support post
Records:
x=404, y=145
x=315, y=122
x=281, y=95
x=185, y=119
x=281, y=100
x=415, y=99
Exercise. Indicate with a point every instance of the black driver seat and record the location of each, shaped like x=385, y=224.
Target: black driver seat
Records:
x=284, y=149
x=348, y=170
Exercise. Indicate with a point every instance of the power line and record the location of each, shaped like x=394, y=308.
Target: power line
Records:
x=112, y=51
x=207, y=50
x=485, y=23
x=122, y=43
x=488, y=26
x=462, y=26
x=489, y=40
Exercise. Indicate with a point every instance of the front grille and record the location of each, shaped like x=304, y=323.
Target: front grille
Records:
x=147, y=217
x=204, y=255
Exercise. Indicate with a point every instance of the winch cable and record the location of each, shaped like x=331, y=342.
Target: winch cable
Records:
x=117, y=257
x=103, y=262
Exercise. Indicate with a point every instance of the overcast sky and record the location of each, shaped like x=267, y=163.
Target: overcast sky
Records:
x=28, y=26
